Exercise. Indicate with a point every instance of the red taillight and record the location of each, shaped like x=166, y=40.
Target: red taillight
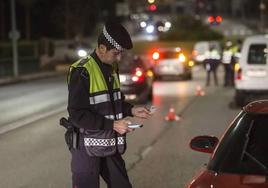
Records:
x=138, y=75
x=210, y=19
x=194, y=53
x=239, y=75
x=156, y=55
x=219, y=19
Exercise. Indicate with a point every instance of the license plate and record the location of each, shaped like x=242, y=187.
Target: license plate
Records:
x=122, y=78
x=256, y=73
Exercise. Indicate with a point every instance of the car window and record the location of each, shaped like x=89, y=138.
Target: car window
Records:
x=244, y=147
x=169, y=55
x=201, y=47
x=255, y=155
x=257, y=54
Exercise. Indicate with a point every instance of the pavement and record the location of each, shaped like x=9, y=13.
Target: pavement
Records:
x=28, y=77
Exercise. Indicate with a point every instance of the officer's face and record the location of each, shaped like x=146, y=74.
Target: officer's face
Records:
x=112, y=55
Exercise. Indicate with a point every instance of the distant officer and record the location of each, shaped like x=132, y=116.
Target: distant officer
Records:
x=227, y=63
x=236, y=53
x=96, y=109
x=211, y=62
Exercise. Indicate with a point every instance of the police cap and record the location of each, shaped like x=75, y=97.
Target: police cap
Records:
x=117, y=36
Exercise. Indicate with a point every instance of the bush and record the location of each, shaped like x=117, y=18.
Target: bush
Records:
x=187, y=28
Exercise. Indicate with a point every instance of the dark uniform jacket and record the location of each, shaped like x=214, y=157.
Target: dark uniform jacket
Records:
x=78, y=103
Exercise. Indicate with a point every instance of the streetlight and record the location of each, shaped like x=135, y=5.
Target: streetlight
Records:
x=262, y=9
x=151, y=1
x=14, y=35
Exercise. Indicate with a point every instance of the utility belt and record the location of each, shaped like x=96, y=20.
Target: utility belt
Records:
x=97, y=143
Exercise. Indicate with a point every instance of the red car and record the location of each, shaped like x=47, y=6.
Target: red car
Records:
x=240, y=159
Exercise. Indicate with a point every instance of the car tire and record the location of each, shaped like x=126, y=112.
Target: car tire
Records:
x=240, y=98
x=189, y=76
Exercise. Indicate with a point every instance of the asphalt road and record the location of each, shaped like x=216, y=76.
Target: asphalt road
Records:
x=158, y=154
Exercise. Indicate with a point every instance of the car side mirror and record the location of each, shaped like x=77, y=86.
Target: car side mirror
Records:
x=204, y=144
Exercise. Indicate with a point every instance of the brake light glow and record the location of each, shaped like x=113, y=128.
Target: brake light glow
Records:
x=239, y=74
x=210, y=19
x=138, y=75
x=156, y=55
x=219, y=19
x=194, y=53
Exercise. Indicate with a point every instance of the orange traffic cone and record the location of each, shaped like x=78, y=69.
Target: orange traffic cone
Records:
x=199, y=91
x=172, y=116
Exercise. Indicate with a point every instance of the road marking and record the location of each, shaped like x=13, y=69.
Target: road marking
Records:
x=20, y=123
x=146, y=151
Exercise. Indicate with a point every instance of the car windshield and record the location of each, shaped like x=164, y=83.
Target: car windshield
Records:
x=244, y=148
x=169, y=55
x=257, y=54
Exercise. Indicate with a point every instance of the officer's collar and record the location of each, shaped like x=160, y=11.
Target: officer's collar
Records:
x=98, y=61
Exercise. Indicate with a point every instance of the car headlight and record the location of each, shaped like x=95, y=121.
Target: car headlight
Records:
x=82, y=53
x=182, y=57
x=150, y=29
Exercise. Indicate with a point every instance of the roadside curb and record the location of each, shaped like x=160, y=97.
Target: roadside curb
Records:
x=29, y=77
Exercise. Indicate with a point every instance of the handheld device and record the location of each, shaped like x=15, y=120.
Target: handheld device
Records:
x=152, y=109
x=134, y=126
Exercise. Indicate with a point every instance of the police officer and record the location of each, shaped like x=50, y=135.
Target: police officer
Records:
x=236, y=53
x=96, y=108
x=211, y=63
x=227, y=63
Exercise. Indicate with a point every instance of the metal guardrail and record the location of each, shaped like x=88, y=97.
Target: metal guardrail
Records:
x=26, y=65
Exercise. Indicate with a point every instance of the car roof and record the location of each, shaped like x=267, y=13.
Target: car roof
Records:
x=257, y=107
x=169, y=49
x=257, y=38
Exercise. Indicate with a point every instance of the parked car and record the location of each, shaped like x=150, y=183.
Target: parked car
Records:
x=171, y=62
x=136, y=78
x=76, y=51
x=251, y=73
x=240, y=159
x=201, y=48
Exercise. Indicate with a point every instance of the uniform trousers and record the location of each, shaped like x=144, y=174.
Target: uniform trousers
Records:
x=87, y=170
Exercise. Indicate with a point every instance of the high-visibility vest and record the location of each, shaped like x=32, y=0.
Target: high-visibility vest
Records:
x=227, y=56
x=99, y=97
x=214, y=54
x=236, y=52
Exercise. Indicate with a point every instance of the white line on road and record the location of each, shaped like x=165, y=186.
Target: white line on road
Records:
x=146, y=152
x=20, y=123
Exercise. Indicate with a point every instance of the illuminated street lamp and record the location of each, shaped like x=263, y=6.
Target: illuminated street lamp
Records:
x=151, y=1
x=262, y=9
x=14, y=35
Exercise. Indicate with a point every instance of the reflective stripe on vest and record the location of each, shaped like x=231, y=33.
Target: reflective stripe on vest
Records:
x=118, y=116
x=104, y=98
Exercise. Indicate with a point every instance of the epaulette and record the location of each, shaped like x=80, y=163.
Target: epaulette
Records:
x=82, y=62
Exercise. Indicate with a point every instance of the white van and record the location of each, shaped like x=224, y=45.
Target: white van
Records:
x=251, y=73
x=200, y=49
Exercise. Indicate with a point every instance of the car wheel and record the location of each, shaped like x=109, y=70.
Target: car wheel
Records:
x=188, y=76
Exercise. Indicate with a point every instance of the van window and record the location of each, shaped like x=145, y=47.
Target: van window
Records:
x=257, y=54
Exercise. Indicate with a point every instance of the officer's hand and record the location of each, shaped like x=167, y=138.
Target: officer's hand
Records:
x=141, y=112
x=121, y=126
